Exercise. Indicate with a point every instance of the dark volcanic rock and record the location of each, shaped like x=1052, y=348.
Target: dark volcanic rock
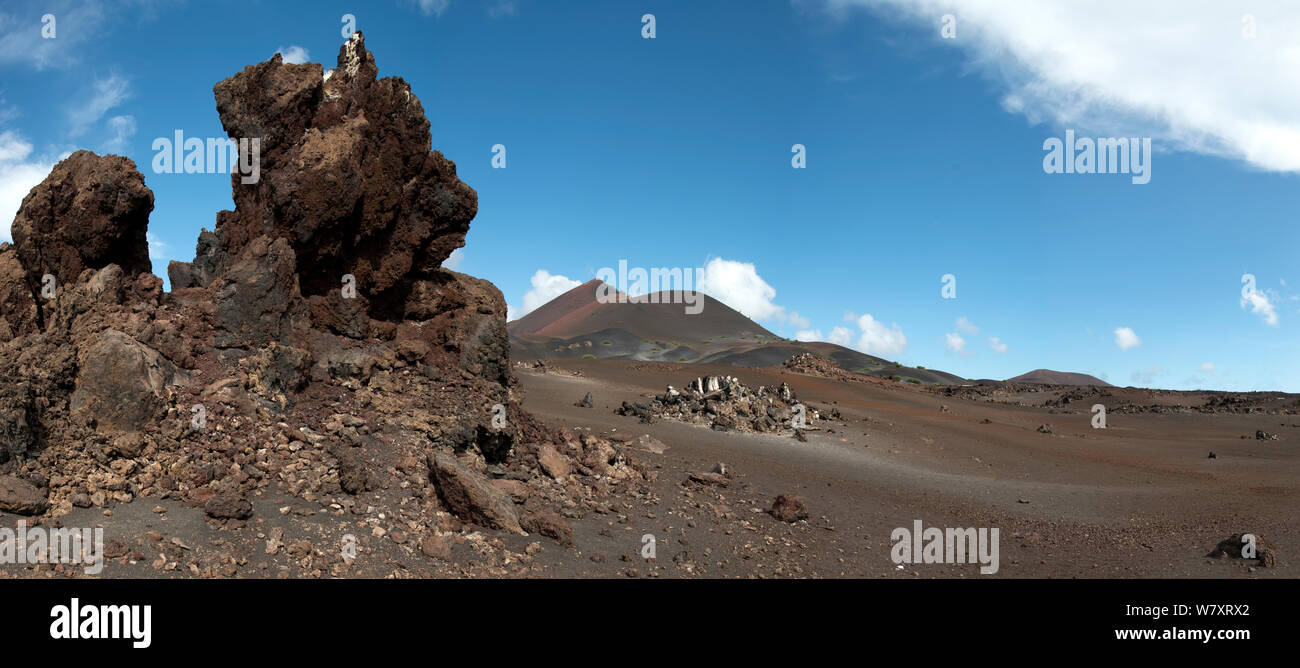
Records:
x=20, y=497
x=91, y=211
x=228, y=507
x=470, y=496
x=1234, y=546
x=549, y=524
x=18, y=316
x=257, y=300
x=347, y=176
x=123, y=385
x=789, y=508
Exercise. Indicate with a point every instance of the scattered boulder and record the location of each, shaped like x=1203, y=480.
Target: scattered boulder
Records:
x=789, y=508
x=470, y=496
x=122, y=385
x=228, y=507
x=1044, y=429
x=21, y=497
x=549, y=524
x=1235, y=547
x=552, y=462
x=585, y=402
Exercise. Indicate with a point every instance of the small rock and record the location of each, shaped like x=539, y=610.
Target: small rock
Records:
x=789, y=508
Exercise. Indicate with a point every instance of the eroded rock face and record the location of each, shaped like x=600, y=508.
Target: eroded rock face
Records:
x=18, y=316
x=259, y=369
x=347, y=177
x=91, y=211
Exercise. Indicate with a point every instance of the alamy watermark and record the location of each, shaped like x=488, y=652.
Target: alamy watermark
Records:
x=1103, y=155
x=38, y=545
x=657, y=285
x=213, y=155
x=933, y=545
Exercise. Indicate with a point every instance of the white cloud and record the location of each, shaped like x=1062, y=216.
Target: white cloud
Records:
x=799, y=321
x=453, y=261
x=123, y=128
x=546, y=286
x=1208, y=367
x=874, y=338
x=433, y=7
x=1260, y=305
x=294, y=55
x=1181, y=72
x=107, y=93
x=879, y=340
x=966, y=326
x=21, y=40
x=997, y=345
x=840, y=336
x=954, y=343
x=19, y=173
x=157, y=249
x=1126, y=338
x=738, y=285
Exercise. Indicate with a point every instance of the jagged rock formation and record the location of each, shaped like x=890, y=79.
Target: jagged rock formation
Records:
x=314, y=347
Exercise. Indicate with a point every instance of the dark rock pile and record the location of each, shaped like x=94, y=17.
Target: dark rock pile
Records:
x=314, y=347
x=726, y=404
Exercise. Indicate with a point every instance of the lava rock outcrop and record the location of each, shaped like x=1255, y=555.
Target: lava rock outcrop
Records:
x=314, y=347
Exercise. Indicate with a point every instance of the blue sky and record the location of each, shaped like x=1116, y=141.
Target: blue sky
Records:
x=924, y=158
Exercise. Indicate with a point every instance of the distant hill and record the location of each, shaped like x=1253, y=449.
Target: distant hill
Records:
x=577, y=324
x=1049, y=377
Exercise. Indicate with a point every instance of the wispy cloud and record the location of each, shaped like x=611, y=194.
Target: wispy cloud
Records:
x=123, y=129
x=22, y=41
x=433, y=7
x=105, y=94
x=1197, y=75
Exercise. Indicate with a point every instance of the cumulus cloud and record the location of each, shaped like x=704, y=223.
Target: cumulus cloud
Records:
x=294, y=55
x=879, y=340
x=738, y=285
x=19, y=173
x=1259, y=303
x=1208, y=367
x=1126, y=338
x=546, y=286
x=997, y=345
x=1189, y=74
x=840, y=336
x=872, y=336
x=954, y=343
x=966, y=326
